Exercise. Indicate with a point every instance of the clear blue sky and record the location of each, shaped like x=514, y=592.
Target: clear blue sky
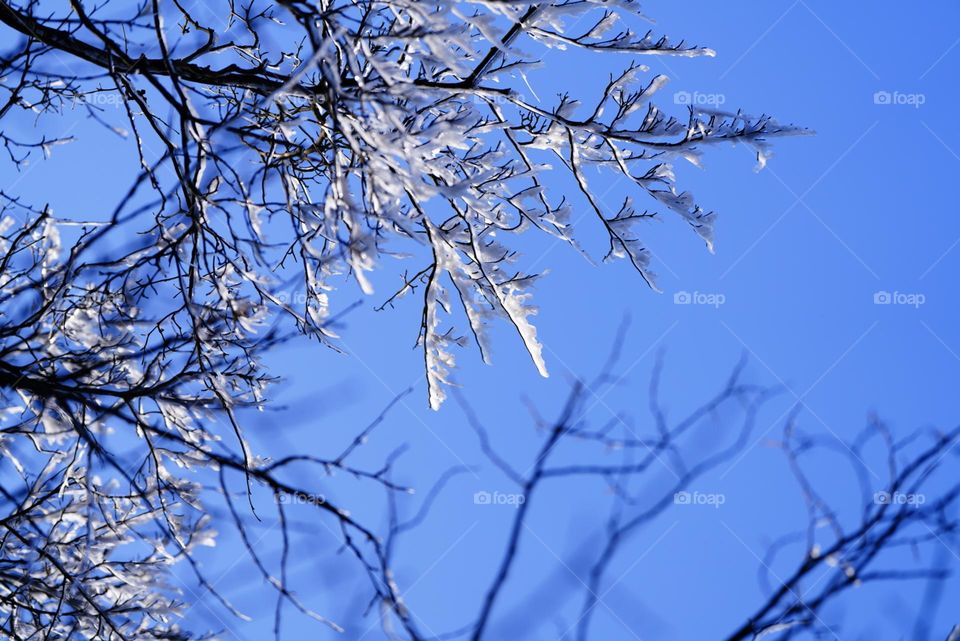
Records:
x=865, y=206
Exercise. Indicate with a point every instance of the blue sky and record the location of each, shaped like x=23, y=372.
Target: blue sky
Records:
x=864, y=208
